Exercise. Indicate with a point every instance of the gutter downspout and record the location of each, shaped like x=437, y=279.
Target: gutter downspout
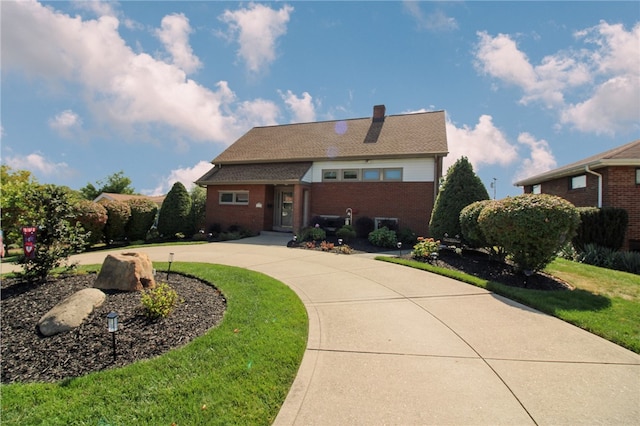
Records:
x=588, y=170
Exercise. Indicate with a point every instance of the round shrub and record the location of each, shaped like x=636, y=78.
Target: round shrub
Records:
x=531, y=228
x=143, y=215
x=347, y=233
x=383, y=237
x=118, y=214
x=93, y=217
x=313, y=233
x=471, y=232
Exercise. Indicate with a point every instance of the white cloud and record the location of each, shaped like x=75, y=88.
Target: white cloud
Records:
x=541, y=159
x=303, y=109
x=38, y=165
x=606, y=70
x=437, y=21
x=257, y=29
x=187, y=176
x=65, y=122
x=174, y=34
x=125, y=90
x=484, y=144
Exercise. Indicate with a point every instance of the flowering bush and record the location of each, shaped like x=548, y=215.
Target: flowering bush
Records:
x=424, y=248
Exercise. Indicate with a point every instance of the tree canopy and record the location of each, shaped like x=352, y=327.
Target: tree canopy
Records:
x=116, y=183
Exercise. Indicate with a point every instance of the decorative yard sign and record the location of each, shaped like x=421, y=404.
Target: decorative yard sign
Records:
x=29, y=241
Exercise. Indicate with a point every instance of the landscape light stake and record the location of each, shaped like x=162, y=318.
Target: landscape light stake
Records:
x=400, y=248
x=170, y=261
x=112, y=324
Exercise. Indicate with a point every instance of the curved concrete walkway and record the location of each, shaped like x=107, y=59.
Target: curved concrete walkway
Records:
x=393, y=345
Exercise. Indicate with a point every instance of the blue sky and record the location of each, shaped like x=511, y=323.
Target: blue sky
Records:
x=158, y=89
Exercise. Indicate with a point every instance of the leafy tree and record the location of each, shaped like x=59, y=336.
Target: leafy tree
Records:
x=118, y=214
x=93, y=218
x=531, y=228
x=460, y=188
x=143, y=214
x=116, y=183
x=14, y=208
x=198, y=207
x=175, y=213
x=58, y=235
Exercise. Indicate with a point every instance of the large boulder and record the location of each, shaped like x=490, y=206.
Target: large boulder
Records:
x=71, y=312
x=126, y=272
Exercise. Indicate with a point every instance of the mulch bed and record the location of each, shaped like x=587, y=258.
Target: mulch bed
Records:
x=28, y=356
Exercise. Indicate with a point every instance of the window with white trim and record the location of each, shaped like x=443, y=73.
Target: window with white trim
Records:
x=233, y=197
x=578, y=182
x=351, y=174
x=329, y=175
x=637, y=176
x=392, y=174
x=536, y=189
x=371, y=174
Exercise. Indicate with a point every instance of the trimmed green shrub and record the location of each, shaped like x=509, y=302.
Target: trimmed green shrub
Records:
x=118, y=214
x=347, y=233
x=160, y=301
x=143, y=215
x=313, y=233
x=175, y=213
x=471, y=232
x=531, y=228
x=461, y=188
x=604, y=227
x=383, y=237
x=407, y=236
x=364, y=226
x=93, y=218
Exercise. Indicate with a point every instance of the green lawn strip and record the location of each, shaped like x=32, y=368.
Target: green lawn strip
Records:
x=241, y=370
x=610, y=316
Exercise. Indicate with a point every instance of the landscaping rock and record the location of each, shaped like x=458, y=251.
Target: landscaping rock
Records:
x=126, y=272
x=71, y=312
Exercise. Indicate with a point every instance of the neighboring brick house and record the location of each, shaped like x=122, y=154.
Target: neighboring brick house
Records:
x=280, y=177
x=609, y=179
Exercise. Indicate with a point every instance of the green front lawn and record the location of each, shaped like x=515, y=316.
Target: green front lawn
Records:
x=604, y=302
x=237, y=373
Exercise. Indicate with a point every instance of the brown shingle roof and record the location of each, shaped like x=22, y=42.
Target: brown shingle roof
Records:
x=407, y=135
x=625, y=155
x=255, y=173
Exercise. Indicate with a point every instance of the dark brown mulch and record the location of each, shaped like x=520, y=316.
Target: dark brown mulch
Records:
x=30, y=357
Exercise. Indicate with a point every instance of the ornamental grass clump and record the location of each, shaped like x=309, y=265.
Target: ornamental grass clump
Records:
x=424, y=247
x=160, y=301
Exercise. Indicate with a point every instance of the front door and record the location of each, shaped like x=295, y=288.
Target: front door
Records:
x=283, y=220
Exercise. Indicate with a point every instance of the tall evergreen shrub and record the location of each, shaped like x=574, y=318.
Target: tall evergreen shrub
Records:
x=604, y=227
x=175, y=213
x=461, y=188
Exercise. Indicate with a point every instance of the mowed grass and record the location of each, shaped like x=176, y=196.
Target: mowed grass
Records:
x=237, y=373
x=604, y=302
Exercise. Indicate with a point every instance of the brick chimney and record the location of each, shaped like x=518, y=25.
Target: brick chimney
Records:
x=378, y=113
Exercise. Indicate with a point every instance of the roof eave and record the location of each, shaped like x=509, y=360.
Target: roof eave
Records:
x=342, y=158
x=578, y=168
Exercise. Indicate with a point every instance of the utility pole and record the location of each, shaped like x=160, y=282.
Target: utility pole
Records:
x=494, y=186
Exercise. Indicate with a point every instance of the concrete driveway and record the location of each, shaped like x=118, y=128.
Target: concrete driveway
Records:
x=397, y=346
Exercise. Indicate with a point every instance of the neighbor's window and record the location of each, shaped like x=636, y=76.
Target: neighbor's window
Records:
x=637, y=176
x=371, y=174
x=329, y=175
x=350, y=175
x=234, y=197
x=536, y=189
x=579, y=182
x=392, y=174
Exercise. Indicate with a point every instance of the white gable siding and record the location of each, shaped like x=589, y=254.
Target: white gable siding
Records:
x=413, y=169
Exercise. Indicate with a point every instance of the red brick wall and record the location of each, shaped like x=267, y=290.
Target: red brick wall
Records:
x=619, y=190
x=410, y=202
x=248, y=216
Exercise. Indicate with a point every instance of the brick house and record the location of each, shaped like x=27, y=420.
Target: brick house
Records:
x=609, y=179
x=280, y=177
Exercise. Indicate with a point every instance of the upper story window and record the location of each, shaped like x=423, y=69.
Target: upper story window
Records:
x=536, y=189
x=234, y=197
x=637, y=176
x=578, y=182
x=392, y=174
x=368, y=175
x=351, y=174
x=329, y=175
x=371, y=174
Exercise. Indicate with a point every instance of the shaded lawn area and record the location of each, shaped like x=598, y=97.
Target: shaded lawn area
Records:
x=604, y=302
x=237, y=373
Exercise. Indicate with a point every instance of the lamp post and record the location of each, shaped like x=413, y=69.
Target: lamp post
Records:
x=170, y=261
x=112, y=325
x=399, y=245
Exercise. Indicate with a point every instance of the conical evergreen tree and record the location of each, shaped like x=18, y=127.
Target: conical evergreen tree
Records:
x=175, y=213
x=460, y=188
